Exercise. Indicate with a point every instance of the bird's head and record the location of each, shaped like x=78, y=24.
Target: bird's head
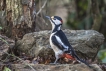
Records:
x=56, y=22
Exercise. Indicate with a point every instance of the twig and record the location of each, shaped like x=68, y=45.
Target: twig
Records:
x=21, y=60
x=41, y=7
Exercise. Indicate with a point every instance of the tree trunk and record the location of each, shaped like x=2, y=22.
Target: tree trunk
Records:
x=18, y=17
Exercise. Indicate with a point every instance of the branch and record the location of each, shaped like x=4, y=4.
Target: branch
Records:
x=41, y=7
x=21, y=60
x=97, y=17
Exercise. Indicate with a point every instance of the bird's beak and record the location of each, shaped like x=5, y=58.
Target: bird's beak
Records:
x=47, y=17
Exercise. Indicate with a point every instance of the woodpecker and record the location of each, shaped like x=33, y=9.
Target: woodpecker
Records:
x=59, y=42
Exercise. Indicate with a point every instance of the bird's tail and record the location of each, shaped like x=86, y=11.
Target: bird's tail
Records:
x=81, y=60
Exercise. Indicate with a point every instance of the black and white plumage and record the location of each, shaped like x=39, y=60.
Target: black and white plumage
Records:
x=59, y=42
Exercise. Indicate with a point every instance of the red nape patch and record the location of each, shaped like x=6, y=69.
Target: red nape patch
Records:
x=68, y=56
x=61, y=21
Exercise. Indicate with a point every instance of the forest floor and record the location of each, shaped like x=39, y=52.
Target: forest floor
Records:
x=8, y=58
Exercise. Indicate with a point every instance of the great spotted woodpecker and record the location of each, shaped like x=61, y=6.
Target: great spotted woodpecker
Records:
x=59, y=42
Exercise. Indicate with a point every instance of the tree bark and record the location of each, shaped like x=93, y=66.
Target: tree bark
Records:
x=20, y=18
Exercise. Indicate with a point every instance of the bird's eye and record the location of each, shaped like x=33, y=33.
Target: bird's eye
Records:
x=54, y=18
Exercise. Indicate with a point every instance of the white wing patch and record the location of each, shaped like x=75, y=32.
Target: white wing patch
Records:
x=59, y=40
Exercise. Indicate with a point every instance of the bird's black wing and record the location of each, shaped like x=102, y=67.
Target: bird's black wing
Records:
x=57, y=43
x=61, y=41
